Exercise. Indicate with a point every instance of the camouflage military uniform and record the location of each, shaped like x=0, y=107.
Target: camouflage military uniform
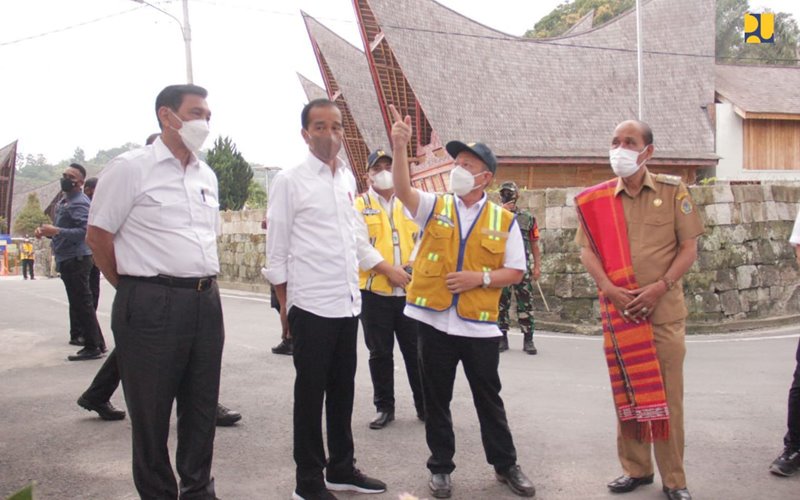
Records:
x=524, y=290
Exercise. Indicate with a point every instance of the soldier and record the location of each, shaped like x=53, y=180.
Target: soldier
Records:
x=509, y=193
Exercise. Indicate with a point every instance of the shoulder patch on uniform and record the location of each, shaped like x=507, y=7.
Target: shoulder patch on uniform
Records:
x=673, y=180
x=686, y=206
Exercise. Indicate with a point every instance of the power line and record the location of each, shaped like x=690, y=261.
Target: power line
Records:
x=70, y=27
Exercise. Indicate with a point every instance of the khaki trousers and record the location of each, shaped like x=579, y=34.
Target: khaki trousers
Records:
x=635, y=456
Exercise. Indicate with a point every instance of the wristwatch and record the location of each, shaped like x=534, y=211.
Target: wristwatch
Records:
x=487, y=279
x=670, y=283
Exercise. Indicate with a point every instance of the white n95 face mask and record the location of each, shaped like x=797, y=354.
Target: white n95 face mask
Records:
x=383, y=180
x=623, y=161
x=461, y=181
x=193, y=132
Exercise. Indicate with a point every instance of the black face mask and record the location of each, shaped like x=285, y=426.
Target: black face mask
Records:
x=507, y=196
x=67, y=184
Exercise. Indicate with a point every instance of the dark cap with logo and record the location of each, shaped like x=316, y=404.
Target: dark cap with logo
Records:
x=375, y=156
x=479, y=149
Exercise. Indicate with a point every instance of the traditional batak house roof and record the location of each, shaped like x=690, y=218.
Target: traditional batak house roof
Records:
x=8, y=166
x=347, y=78
x=758, y=122
x=312, y=90
x=546, y=107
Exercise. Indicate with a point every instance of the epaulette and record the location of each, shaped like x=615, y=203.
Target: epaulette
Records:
x=673, y=180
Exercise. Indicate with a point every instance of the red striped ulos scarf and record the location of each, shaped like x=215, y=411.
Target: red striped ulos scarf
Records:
x=635, y=373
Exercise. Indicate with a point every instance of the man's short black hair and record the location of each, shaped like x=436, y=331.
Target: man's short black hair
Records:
x=647, y=132
x=79, y=168
x=316, y=103
x=90, y=183
x=172, y=96
x=151, y=139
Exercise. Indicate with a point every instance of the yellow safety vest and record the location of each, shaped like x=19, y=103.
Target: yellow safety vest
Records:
x=27, y=251
x=384, y=233
x=442, y=252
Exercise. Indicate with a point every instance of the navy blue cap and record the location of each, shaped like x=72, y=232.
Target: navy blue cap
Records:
x=479, y=149
x=375, y=156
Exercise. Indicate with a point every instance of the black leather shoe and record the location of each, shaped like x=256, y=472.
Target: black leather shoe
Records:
x=440, y=485
x=285, y=347
x=382, y=420
x=86, y=353
x=227, y=417
x=517, y=481
x=106, y=410
x=677, y=493
x=79, y=341
x=624, y=484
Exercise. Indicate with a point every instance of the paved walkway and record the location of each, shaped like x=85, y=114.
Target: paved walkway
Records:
x=558, y=402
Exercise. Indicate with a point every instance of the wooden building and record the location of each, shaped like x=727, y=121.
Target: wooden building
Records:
x=758, y=122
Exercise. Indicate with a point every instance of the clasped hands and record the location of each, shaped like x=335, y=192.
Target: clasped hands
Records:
x=636, y=305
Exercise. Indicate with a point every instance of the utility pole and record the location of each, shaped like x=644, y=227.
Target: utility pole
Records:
x=186, y=31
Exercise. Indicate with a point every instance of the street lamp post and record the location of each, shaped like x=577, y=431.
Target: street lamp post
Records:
x=186, y=30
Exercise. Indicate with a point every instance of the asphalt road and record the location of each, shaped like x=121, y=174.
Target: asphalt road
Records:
x=558, y=403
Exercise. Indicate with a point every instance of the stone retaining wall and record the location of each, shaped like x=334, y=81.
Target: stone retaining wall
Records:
x=242, y=250
x=745, y=275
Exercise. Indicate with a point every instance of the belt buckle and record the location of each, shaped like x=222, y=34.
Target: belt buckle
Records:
x=200, y=284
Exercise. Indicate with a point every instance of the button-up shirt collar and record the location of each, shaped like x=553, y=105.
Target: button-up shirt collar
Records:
x=648, y=182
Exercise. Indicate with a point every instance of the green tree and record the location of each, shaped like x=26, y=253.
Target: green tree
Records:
x=79, y=156
x=30, y=217
x=233, y=173
x=730, y=46
x=256, y=195
x=568, y=13
x=3, y=225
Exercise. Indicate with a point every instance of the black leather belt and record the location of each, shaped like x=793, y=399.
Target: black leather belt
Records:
x=199, y=284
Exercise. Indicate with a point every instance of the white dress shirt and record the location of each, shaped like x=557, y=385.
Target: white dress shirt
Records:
x=313, y=244
x=795, y=238
x=448, y=321
x=164, y=217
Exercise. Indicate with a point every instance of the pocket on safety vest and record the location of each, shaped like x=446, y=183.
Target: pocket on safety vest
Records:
x=428, y=268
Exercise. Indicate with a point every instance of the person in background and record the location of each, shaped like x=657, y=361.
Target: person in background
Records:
x=523, y=291
x=27, y=257
x=74, y=263
x=392, y=232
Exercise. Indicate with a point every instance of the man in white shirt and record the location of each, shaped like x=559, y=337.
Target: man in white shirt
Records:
x=470, y=249
x=153, y=228
x=312, y=260
x=788, y=463
x=390, y=230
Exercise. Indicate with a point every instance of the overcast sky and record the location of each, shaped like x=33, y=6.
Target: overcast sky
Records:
x=94, y=85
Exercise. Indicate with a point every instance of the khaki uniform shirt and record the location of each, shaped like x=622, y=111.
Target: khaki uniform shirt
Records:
x=658, y=219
